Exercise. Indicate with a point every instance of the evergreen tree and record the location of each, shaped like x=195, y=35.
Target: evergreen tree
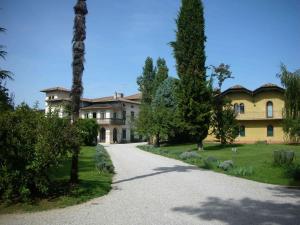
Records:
x=146, y=81
x=161, y=74
x=194, y=93
x=79, y=37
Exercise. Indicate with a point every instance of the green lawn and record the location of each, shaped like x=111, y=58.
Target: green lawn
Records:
x=255, y=157
x=92, y=184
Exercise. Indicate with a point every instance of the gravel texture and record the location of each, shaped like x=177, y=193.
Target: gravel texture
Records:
x=150, y=189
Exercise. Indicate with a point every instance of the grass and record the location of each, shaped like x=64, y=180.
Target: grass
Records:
x=252, y=161
x=92, y=184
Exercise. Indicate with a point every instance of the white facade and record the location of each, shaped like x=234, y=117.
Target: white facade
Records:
x=114, y=114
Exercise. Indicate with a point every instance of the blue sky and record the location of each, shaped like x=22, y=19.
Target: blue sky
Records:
x=253, y=36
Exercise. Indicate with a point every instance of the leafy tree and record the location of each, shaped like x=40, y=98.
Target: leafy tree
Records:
x=30, y=145
x=88, y=129
x=6, y=100
x=222, y=73
x=164, y=124
x=79, y=37
x=224, y=124
x=194, y=92
x=291, y=123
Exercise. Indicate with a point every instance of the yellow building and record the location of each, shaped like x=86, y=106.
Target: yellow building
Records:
x=259, y=113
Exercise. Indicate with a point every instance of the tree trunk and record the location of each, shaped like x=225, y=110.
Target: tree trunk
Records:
x=74, y=167
x=200, y=146
x=157, y=140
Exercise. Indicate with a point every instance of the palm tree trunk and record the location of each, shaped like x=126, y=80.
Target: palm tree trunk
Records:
x=79, y=36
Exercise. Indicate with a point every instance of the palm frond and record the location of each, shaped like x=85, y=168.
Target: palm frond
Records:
x=5, y=74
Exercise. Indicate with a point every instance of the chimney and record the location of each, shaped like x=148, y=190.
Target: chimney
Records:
x=118, y=95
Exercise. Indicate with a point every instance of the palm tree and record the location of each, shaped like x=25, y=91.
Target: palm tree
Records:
x=79, y=36
x=4, y=74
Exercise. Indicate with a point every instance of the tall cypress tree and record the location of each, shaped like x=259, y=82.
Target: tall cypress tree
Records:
x=194, y=93
x=161, y=74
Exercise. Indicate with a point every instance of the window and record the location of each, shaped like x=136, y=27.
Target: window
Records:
x=132, y=106
x=115, y=115
x=236, y=108
x=242, y=131
x=102, y=115
x=269, y=109
x=124, y=134
x=270, y=131
x=242, y=108
x=86, y=115
x=124, y=115
x=132, y=115
x=94, y=115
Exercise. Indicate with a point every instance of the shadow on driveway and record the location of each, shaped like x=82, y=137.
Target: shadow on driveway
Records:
x=160, y=170
x=245, y=211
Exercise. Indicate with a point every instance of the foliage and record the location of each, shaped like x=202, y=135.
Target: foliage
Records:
x=293, y=171
x=6, y=100
x=194, y=92
x=242, y=171
x=224, y=124
x=222, y=73
x=146, y=81
x=61, y=194
x=150, y=115
x=30, y=145
x=188, y=155
x=226, y=165
x=291, y=123
x=164, y=119
x=88, y=129
x=102, y=160
x=79, y=36
x=283, y=157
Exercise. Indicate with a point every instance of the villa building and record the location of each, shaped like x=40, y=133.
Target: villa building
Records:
x=114, y=114
x=259, y=113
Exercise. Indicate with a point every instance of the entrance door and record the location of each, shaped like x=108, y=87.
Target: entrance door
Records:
x=115, y=135
x=102, y=134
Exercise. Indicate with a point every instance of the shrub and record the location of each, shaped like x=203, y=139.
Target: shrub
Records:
x=88, y=131
x=210, y=162
x=293, y=171
x=242, y=171
x=283, y=157
x=226, y=165
x=102, y=159
x=30, y=145
x=188, y=155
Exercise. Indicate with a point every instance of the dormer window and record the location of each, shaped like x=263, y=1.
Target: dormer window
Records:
x=236, y=108
x=242, y=108
x=269, y=107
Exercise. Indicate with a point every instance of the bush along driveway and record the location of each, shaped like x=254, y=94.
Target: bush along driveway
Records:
x=253, y=161
x=151, y=189
x=95, y=174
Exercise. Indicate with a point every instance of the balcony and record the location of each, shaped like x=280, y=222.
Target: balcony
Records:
x=111, y=121
x=277, y=115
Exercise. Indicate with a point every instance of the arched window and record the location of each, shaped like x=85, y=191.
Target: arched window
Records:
x=236, y=108
x=270, y=131
x=269, y=109
x=242, y=131
x=242, y=108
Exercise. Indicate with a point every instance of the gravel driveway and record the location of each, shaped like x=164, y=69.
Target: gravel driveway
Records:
x=150, y=189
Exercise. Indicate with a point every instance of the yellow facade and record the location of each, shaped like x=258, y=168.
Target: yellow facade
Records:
x=263, y=109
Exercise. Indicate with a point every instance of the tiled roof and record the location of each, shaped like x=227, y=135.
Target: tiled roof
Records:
x=55, y=89
x=265, y=87
x=135, y=96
